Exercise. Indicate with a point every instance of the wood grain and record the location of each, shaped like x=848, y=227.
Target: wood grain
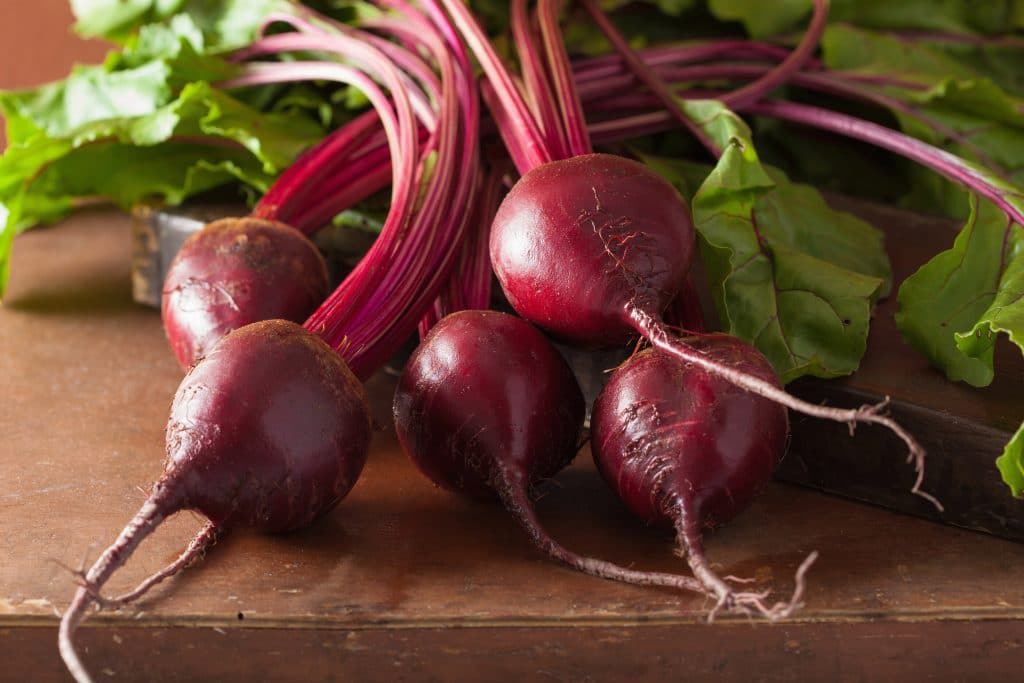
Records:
x=837, y=653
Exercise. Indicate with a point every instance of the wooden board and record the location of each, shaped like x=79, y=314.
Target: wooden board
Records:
x=406, y=582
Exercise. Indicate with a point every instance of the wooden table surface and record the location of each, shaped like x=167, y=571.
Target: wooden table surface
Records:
x=404, y=582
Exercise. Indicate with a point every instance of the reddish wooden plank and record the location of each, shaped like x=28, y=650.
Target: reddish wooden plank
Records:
x=838, y=653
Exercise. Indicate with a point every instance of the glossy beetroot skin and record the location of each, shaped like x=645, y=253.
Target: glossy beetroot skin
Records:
x=577, y=242
x=486, y=403
x=268, y=431
x=236, y=271
x=486, y=406
x=665, y=433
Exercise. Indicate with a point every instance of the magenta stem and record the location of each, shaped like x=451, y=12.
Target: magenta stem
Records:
x=733, y=49
x=400, y=136
x=372, y=180
x=378, y=305
x=948, y=165
x=647, y=76
x=753, y=92
x=532, y=150
x=365, y=50
x=819, y=81
x=574, y=123
x=536, y=80
x=295, y=184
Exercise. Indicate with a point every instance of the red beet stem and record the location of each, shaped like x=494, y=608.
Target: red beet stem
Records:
x=302, y=177
x=530, y=148
x=574, y=123
x=164, y=501
x=656, y=332
x=647, y=76
x=538, y=87
x=513, y=493
x=752, y=92
x=748, y=94
x=728, y=49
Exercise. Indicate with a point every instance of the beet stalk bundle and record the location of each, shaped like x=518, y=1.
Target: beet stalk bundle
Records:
x=238, y=439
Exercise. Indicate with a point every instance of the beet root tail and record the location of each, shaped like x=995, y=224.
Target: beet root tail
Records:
x=196, y=548
x=150, y=515
x=517, y=502
x=726, y=597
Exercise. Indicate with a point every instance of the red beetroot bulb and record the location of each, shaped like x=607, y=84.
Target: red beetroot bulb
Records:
x=667, y=434
x=686, y=447
x=236, y=271
x=579, y=243
x=268, y=431
x=486, y=404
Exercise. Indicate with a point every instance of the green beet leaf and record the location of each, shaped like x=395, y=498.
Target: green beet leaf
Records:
x=956, y=304
x=225, y=24
x=115, y=19
x=973, y=119
x=201, y=139
x=1011, y=463
x=758, y=19
x=789, y=274
x=951, y=292
x=860, y=50
x=764, y=19
x=88, y=95
x=1005, y=312
x=965, y=101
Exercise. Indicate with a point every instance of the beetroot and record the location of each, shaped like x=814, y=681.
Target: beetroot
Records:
x=267, y=431
x=487, y=407
x=682, y=446
x=236, y=271
x=578, y=243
